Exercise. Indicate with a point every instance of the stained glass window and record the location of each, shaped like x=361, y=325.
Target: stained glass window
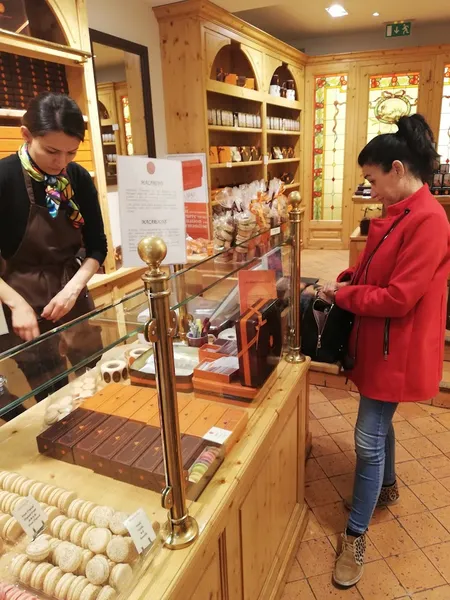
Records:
x=127, y=120
x=391, y=97
x=329, y=144
x=444, y=128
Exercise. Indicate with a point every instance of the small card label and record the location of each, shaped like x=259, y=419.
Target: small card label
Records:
x=229, y=165
x=141, y=530
x=217, y=435
x=115, y=127
x=30, y=516
x=266, y=159
x=275, y=230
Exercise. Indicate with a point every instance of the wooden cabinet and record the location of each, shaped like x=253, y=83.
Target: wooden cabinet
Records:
x=200, y=40
x=112, y=125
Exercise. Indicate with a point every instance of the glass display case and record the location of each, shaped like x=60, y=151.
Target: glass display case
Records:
x=81, y=414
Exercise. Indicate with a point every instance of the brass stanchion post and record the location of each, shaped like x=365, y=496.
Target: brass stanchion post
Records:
x=180, y=529
x=296, y=216
x=183, y=316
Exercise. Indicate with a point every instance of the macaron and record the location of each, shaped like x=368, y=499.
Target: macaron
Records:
x=27, y=571
x=36, y=489
x=66, y=500
x=51, y=580
x=85, y=558
x=38, y=550
x=52, y=512
x=56, y=525
x=118, y=549
x=17, y=564
x=68, y=557
x=76, y=535
x=63, y=585
x=3, y=476
x=98, y=539
x=102, y=515
x=121, y=577
x=12, y=530
x=90, y=592
x=85, y=538
x=26, y=487
x=66, y=529
x=85, y=510
x=116, y=523
x=107, y=593
x=9, y=481
x=97, y=570
x=74, y=509
x=77, y=587
x=18, y=483
x=39, y=574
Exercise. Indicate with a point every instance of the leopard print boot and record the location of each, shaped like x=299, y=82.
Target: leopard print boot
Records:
x=349, y=567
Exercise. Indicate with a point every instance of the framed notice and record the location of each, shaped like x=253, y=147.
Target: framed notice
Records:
x=151, y=203
x=195, y=184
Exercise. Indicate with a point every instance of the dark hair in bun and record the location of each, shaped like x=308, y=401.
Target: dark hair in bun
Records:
x=50, y=112
x=413, y=145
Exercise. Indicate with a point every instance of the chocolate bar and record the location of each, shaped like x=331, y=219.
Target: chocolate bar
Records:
x=120, y=467
x=65, y=444
x=45, y=440
x=82, y=452
x=101, y=457
x=142, y=472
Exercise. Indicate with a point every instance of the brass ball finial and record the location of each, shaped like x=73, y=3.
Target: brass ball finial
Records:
x=295, y=199
x=152, y=251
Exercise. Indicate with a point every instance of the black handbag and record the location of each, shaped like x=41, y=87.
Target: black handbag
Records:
x=325, y=332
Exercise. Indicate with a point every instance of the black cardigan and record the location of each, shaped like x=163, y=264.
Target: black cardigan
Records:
x=14, y=207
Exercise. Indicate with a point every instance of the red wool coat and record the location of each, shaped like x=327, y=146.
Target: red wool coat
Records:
x=400, y=302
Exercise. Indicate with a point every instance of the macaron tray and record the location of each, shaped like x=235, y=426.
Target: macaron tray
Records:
x=84, y=553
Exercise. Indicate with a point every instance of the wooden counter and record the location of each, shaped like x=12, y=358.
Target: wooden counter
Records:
x=356, y=247
x=114, y=286
x=251, y=515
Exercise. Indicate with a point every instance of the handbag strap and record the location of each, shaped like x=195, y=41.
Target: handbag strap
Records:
x=377, y=247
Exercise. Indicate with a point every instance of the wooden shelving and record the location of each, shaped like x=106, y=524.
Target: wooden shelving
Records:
x=283, y=160
x=233, y=90
x=252, y=163
x=283, y=102
x=234, y=129
x=282, y=132
x=109, y=144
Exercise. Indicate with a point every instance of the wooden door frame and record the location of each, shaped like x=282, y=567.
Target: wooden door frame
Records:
x=99, y=37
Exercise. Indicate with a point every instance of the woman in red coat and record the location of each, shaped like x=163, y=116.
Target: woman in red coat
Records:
x=398, y=294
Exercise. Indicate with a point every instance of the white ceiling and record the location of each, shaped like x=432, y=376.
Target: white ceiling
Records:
x=296, y=19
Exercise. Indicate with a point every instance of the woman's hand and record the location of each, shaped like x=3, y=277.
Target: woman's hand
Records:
x=61, y=304
x=329, y=289
x=24, y=321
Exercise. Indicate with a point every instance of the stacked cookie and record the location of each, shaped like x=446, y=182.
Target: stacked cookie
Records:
x=81, y=389
x=88, y=555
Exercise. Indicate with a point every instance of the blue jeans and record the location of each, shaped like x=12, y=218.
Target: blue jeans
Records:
x=375, y=459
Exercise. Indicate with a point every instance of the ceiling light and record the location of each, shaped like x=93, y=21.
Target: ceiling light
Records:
x=376, y=14
x=336, y=11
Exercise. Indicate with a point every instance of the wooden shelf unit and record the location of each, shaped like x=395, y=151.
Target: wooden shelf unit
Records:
x=217, y=40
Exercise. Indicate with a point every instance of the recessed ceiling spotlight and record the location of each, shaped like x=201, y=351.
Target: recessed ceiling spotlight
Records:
x=376, y=14
x=336, y=10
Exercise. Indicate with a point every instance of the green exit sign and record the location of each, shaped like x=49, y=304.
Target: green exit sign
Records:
x=401, y=29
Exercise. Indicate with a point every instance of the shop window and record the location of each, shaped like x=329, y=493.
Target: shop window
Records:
x=444, y=128
x=391, y=97
x=329, y=145
x=33, y=18
x=127, y=121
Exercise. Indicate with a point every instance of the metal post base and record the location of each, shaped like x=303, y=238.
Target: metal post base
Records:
x=179, y=535
x=294, y=356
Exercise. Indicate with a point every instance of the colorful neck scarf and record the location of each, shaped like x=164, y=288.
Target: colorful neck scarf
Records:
x=57, y=188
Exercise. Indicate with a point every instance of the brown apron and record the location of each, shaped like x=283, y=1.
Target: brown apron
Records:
x=42, y=265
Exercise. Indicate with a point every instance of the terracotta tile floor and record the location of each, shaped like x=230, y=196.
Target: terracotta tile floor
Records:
x=408, y=546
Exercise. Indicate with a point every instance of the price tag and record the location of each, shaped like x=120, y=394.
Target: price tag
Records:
x=30, y=516
x=141, y=530
x=217, y=435
x=275, y=230
x=229, y=165
x=266, y=159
